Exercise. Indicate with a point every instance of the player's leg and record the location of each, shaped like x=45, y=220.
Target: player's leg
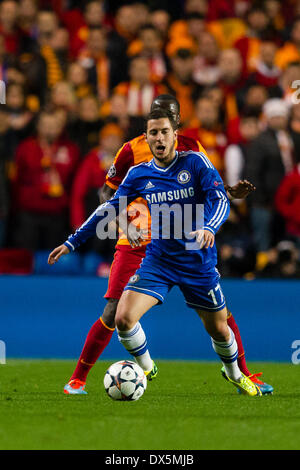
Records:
x=223, y=340
x=132, y=306
x=206, y=297
x=264, y=387
x=241, y=352
x=96, y=341
x=224, y=344
x=126, y=261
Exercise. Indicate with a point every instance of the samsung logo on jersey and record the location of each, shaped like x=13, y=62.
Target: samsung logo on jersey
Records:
x=174, y=195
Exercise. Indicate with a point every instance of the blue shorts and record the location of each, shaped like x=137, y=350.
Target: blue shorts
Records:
x=201, y=288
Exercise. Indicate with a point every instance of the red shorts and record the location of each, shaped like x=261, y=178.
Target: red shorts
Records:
x=126, y=261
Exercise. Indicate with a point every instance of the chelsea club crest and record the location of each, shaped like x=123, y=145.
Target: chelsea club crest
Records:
x=184, y=177
x=134, y=279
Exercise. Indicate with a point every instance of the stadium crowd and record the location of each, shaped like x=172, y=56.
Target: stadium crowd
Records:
x=80, y=77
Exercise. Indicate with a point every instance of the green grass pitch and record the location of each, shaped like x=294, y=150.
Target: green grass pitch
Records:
x=188, y=406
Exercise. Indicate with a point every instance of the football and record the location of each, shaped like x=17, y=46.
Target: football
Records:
x=125, y=380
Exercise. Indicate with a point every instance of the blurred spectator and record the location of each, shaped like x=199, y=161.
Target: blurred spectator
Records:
x=84, y=131
x=93, y=16
x=232, y=82
x=91, y=174
x=6, y=150
x=288, y=203
x=62, y=96
x=60, y=45
x=47, y=24
x=20, y=117
x=226, y=20
x=141, y=11
x=77, y=76
x=104, y=71
x=88, y=181
x=54, y=44
x=191, y=27
x=132, y=126
x=227, y=9
x=274, y=11
x=196, y=6
x=196, y=25
x=140, y=91
x=41, y=63
x=266, y=72
x=281, y=262
x=3, y=59
x=236, y=255
x=294, y=128
x=270, y=158
x=149, y=44
x=9, y=10
x=127, y=23
x=236, y=155
x=179, y=80
x=206, y=68
x=161, y=21
x=255, y=98
x=44, y=169
x=249, y=45
x=27, y=18
x=33, y=70
x=289, y=52
x=207, y=129
x=284, y=88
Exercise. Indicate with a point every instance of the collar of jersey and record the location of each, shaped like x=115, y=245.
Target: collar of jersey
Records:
x=166, y=168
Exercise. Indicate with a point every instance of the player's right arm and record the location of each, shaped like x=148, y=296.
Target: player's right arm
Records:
x=106, y=193
x=108, y=211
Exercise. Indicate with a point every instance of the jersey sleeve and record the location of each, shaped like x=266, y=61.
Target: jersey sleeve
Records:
x=107, y=212
x=124, y=159
x=201, y=148
x=216, y=205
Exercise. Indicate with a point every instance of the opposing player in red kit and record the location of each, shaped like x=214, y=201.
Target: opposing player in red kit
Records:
x=130, y=251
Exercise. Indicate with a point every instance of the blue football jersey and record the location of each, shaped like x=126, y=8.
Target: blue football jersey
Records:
x=185, y=196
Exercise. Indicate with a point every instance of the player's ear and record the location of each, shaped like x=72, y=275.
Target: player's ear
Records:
x=145, y=135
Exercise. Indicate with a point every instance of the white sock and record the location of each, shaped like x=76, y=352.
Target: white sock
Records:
x=228, y=353
x=135, y=342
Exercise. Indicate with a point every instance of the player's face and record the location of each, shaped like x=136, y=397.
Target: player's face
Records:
x=161, y=139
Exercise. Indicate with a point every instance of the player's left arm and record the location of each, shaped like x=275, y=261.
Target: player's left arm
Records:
x=240, y=190
x=217, y=205
x=216, y=202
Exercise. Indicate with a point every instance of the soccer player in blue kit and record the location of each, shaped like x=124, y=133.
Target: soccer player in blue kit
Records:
x=188, y=181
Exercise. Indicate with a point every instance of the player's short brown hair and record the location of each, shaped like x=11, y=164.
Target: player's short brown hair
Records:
x=159, y=113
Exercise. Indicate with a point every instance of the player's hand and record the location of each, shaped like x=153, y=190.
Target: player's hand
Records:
x=135, y=236
x=57, y=253
x=204, y=237
x=240, y=190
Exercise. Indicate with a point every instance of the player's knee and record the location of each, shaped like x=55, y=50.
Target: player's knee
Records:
x=123, y=322
x=123, y=318
x=220, y=332
x=109, y=312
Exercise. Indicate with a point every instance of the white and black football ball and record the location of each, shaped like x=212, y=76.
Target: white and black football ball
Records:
x=125, y=380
